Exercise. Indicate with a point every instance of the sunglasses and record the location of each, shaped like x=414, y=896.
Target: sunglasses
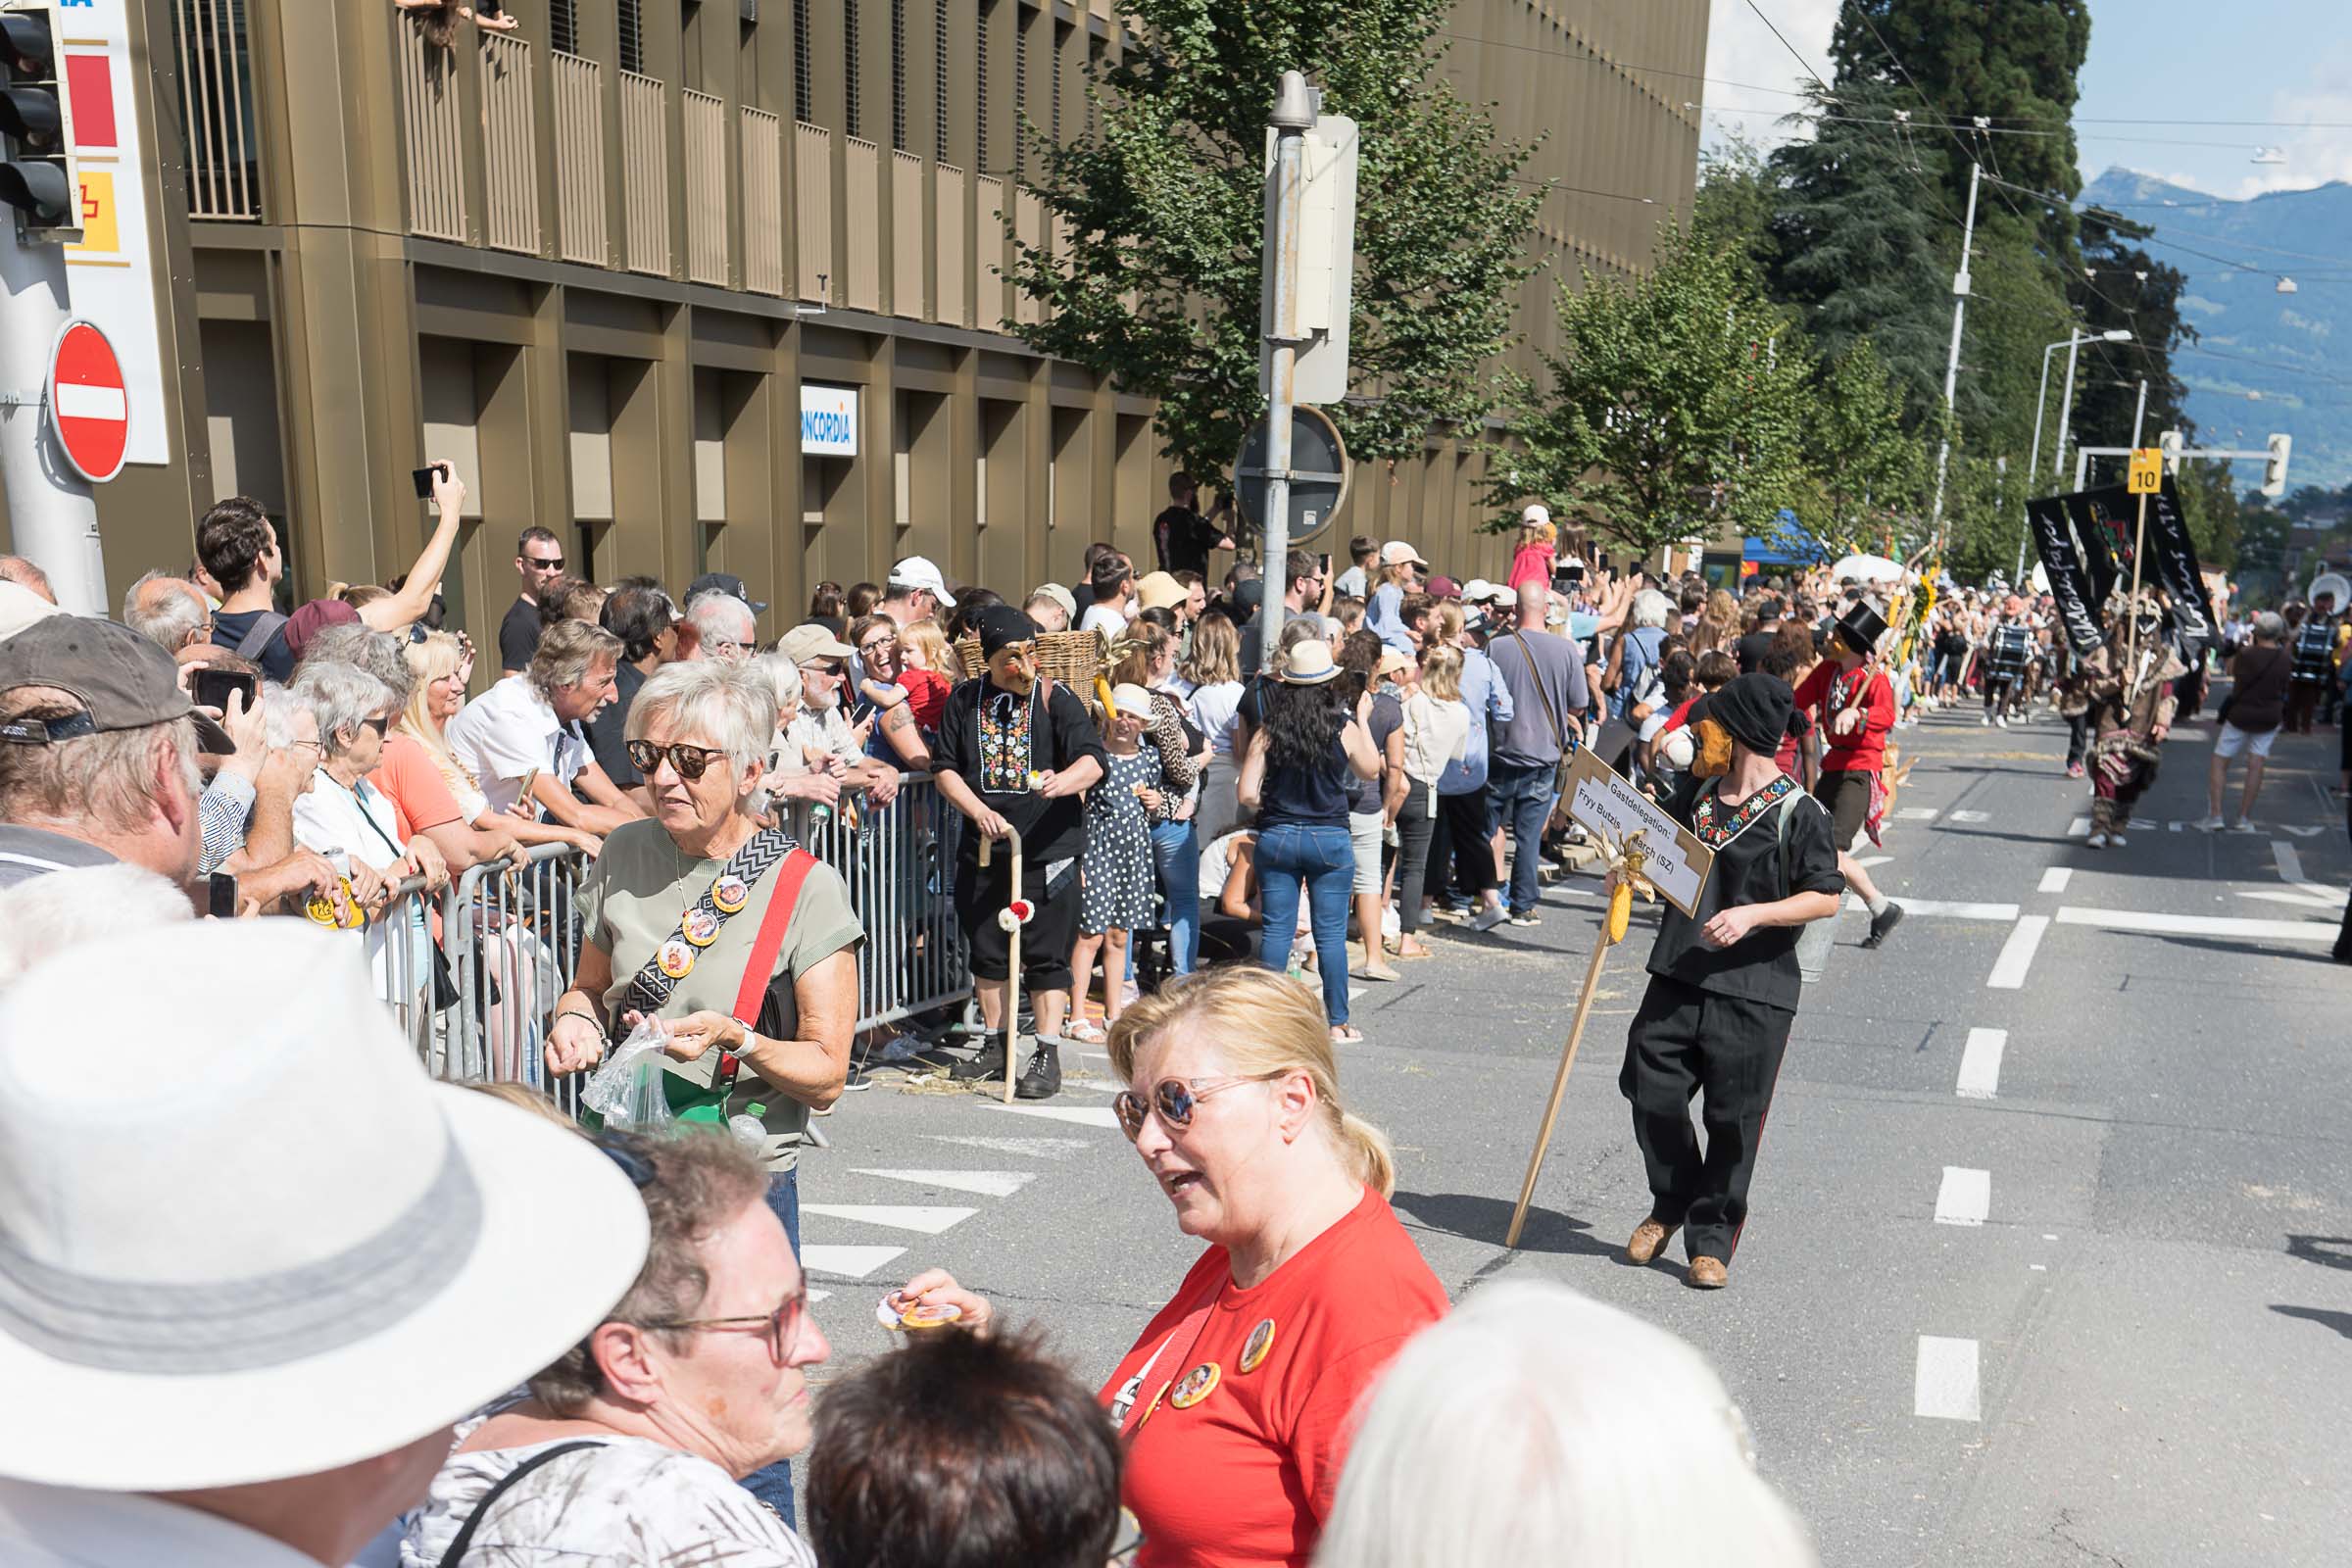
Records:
x=1174, y=1100
x=691, y=762
x=782, y=1326
x=379, y=725
x=545, y=563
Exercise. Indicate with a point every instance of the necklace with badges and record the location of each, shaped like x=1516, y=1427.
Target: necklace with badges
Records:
x=701, y=923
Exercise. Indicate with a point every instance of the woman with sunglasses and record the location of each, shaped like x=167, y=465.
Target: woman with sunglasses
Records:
x=737, y=939
x=896, y=739
x=630, y=1446
x=1235, y=1402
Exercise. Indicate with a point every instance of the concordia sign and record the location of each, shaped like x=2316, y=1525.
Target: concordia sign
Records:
x=829, y=420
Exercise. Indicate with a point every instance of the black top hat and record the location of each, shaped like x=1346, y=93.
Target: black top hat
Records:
x=1861, y=627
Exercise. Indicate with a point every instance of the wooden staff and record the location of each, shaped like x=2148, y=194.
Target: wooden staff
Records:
x=2140, y=533
x=1013, y=958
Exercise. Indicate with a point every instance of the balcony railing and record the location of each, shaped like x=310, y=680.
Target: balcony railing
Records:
x=861, y=169
x=216, y=76
x=645, y=173
x=434, y=134
x=908, y=207
x=812, y=200
x=955, y=277
x=510, y=144
x=705, y=188
x=582, y=231
x=762, y=202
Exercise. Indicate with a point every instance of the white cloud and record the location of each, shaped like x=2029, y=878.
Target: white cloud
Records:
x=2321, y=156
x=1740, y=48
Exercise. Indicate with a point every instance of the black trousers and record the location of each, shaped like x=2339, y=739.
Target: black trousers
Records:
x=1686, y=1042
x=1463, y=840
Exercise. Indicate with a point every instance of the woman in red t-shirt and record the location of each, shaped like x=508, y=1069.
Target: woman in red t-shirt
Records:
x=1235, y=1403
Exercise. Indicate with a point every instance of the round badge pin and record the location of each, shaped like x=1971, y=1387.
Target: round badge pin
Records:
x=731, y=893
x=676, y=958
x=1253, y=1350
x=936, y=1316
x=700, y=927
x=1194, y=1386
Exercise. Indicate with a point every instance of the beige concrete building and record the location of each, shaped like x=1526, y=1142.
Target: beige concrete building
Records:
x=713, y=284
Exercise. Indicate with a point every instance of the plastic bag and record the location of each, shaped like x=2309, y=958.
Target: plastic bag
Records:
x=628, y=1090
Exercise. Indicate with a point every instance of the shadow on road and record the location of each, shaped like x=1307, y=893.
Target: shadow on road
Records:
x=2329, y=1251
x=2341, y=1322
x=1477, y=1218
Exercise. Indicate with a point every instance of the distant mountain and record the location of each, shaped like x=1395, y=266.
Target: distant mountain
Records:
x=2304, y=339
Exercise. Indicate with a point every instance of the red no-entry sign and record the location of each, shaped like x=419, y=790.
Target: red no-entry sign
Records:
x=87, y=404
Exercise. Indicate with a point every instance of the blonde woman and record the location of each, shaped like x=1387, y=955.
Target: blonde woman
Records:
x=1718, y=626
x=1236, y=1401
x=1214, y=668
x=419, y=741
x=1437, y=734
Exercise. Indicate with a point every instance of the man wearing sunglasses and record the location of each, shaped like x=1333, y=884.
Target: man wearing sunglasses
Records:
x=642, y=1432
x=539, y=563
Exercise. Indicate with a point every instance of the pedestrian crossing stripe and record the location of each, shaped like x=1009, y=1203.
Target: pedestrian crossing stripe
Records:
x=986, y=1183
x=928, y=1218
x=1023, y=1147
x=1083, y=1115
x=845, y=1262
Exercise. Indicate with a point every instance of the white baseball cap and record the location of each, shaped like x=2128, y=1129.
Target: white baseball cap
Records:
x=1535, y=511
x=254, y=1258
x=917, y=571
x=1397, y=550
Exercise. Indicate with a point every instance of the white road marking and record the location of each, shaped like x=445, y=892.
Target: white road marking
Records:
x=845, y=1262
x=1950, y=910
x=1968, y=817
x=2288, y=859
x=2302, y=832
x=1083, y=1115
x=2079, y=828
x=1965, y=1198
x=2201, y=925
x=987, y=1182
x=2017, y=954
x=1981, y=1063
x=2143, y=824
x=1945, y=1385
x=1868, y=860
x=1023, y=1147
x=928, y=1218
x=1916, y=814
x=815, y=1296
x=2319, y=898
x=2055, y=879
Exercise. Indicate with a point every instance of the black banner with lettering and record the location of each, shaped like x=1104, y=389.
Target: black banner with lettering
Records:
x=2062, y=562
x=2103, y=521
x=2172, y=555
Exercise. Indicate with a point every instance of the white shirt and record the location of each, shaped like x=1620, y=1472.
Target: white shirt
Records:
x=1214, y=709
x=507, y=735
x=360, y=821
x=64, y=1527
x=632, y=1503
x=1104, y=620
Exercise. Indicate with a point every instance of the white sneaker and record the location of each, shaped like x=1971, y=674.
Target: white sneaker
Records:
x=2097, y=840
x=2003, y=721
x=2116, y=839
x=1986, y=722
x=2244, y=827
x=1488, y=918
x=2209, y=824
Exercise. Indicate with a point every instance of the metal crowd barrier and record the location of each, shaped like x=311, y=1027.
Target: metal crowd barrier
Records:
x=900, y=862
x=513, y=938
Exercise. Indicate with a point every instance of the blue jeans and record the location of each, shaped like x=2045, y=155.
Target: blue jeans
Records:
x=1523, y=796
x=1323, y=857
x=772, y=1484
x=1176, y=851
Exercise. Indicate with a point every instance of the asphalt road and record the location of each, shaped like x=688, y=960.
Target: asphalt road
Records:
x=2051, y=1257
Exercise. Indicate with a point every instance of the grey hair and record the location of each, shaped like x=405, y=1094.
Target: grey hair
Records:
x=1652, y=607
x=2269, y=626
x=723, y=617
x=783, y=676
x=378, y=653
x=48, y=914
x=568, y=651
x=341, y=696
x=1535, y=1425
x=173, y=618
x=730, y=708
x=107, y=779
x=278, y=709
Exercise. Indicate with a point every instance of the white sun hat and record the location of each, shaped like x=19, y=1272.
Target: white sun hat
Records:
x=254, y=1240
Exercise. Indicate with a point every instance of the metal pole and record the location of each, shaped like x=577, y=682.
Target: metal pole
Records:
x=1293, y=115
x=2033, y=457
x=1951, y=368
x=2139, y=413
x=2066, y=407
x=53, y=520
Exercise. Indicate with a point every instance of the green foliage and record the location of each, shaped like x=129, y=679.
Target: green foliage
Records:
x=2209, y=507
x=1870, y=476
x=1159, y=285
x=1679, y=403
x=2124, y=286
x=1984, y=511
x=1737, y=198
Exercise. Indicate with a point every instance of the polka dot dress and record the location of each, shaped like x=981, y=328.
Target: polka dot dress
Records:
x=1118, y=847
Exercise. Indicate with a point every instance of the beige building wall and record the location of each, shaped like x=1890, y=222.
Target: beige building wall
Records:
x=602, y=261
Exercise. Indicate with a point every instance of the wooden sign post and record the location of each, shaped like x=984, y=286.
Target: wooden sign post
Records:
x=1011, y=917
x=2145, y=478
x=1641, y=841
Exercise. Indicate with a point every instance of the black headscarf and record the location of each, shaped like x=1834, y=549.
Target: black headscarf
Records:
x=1000, y=626
x=1753, y=708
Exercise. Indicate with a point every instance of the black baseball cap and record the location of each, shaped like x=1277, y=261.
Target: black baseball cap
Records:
x=725, y=582
x=121, y=679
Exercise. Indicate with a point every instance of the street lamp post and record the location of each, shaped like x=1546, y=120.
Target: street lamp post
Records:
x=2072, y=343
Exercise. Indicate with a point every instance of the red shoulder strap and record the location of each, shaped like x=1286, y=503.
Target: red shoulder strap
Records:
x=790, y=876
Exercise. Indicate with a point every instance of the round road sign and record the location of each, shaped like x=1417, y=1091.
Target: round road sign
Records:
x=88, y=408
x=1318, y=472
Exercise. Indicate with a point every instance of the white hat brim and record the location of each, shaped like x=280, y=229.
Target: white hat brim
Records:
x=563, y=1237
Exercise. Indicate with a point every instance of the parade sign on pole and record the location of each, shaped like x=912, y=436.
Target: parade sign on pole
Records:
x=89, y=402
x=1643, y=844
x=1676, y=861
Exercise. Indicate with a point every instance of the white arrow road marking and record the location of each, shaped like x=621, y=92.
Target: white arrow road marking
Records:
x=2079, y=828
x=1023, y=1147
x=1949, y=910
x=1965, y=1198
x=986, y=1183
x=2017, y=954
x=846, y=1262
x=2202, y=925
x=1981, y=1063
x=1968, y=817
x=2302, y=832
x=1083, y=1115
x=1943, y=1386
x=2287, y=860
x=928, y=1218
x=2318, y=897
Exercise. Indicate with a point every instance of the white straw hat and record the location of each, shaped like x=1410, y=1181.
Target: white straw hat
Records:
x=252, y=1239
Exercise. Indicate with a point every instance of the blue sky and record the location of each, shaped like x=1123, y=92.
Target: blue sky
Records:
x=2170, y=62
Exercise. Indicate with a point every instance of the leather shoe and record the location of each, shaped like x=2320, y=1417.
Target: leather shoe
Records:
x=1648, y=1237
x=989, y=1063
x=1708, y=1274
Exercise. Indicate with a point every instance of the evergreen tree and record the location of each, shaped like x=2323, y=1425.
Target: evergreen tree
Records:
x=2122, y=287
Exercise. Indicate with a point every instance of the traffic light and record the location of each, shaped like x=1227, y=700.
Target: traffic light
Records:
x=37, y=176
x=2274, y=472
x=2169, y=443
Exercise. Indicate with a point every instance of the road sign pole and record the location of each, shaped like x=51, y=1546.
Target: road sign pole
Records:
x=52, y=518
x=1951, y=368
x=1294, y=112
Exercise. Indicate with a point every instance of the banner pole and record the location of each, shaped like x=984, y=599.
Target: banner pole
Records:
x=2139, y=538
x=1559, y=1083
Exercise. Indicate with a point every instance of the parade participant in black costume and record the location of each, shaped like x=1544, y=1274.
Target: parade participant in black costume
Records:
x=2129, y=712
x=1017, y=755
x=1723, y=982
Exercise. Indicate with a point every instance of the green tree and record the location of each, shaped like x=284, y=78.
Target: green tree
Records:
x=1870, y=473
x=2121, y=285
x=1732, y=211
x=1677, y=403
x=1984, y=508
x=2209, y=507
x=1159, y=284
